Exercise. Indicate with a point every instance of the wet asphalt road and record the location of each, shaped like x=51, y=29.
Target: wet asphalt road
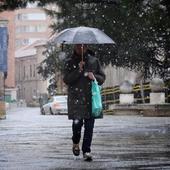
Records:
x=30, y=141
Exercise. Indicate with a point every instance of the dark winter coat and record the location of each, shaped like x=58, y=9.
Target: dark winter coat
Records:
x=79, y=85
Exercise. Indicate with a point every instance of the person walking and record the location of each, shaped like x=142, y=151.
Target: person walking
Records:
x=79, y=71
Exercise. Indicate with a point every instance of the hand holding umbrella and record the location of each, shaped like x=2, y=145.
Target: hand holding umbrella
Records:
x=81, y=64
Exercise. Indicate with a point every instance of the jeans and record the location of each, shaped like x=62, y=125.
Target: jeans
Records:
x=88, y=133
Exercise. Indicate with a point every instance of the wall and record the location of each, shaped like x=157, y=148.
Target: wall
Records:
x=116, y=75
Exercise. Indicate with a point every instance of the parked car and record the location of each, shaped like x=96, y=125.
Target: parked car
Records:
x=55, y=105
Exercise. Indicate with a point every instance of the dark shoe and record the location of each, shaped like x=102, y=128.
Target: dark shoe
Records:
x=87, y=157
x=76, y=149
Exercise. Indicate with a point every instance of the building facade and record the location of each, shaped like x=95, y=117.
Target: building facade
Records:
x=31, y=24
x=25, y=26
x=30, y=85
x=10, y=81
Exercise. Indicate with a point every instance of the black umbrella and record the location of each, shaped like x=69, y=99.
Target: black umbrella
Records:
x=82, y=35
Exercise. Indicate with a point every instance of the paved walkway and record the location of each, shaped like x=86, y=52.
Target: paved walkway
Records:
x=30, y=141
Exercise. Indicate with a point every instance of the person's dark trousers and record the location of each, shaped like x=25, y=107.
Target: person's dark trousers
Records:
x=88, y=133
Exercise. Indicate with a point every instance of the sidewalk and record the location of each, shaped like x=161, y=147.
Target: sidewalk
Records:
x=30, y=141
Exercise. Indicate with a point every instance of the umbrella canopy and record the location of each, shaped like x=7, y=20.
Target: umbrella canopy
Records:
x=82, y=35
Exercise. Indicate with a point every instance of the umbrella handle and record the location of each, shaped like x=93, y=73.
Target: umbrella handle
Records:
x=82, y=52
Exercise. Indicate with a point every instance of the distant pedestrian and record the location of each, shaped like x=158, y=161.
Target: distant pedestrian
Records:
x=79, y=72
x=41, y=101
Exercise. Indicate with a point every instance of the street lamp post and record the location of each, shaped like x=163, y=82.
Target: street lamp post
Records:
x=3, y=73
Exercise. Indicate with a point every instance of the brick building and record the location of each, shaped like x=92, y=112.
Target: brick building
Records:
x=25, y=26
x=30, y=85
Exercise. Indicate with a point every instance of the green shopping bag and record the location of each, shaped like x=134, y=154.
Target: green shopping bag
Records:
x=96, y=100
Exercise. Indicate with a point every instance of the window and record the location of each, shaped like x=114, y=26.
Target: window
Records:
x=27, y=28
x=34, y=71
x=21, y=42
x=24, y=72
x=22, y=29
x=41, y=28
x=30, y=70
x=31, y=16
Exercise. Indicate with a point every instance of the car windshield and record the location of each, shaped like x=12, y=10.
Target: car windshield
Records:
x=60, y=98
